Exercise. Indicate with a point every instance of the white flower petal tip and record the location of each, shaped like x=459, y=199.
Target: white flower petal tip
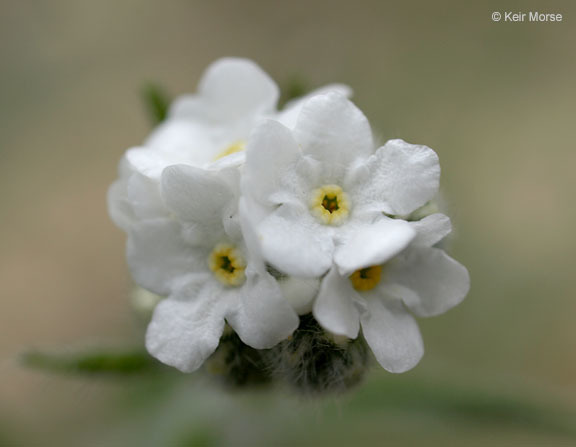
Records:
x=432, y=282
x=229, y=88
x=373, y=244
x=409, y=173
x=431, y=229
x=157, y=256
x=393, y=335
x=332, y=129
x=238, y=75
x=183, y=334
x=289, y=115
x=339, y=89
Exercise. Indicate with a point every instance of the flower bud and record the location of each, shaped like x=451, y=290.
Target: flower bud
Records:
x=237, y=365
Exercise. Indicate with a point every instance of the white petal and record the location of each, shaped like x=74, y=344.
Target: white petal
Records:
x=270, y=156
x=184, y=332
x=334, y=131
x=434, y=281
x=364, y=245
x=144, y=197
x=289, y=115
x=232, y=161
x=299, y=292
x=184, y=141
x=294, y=243
x=197, y=195
x=150, y=162
x=263, y=318
x=230, y=89
x=431, y=229
x=119, y=207
x=400, y=175
x=392, y=334
x=334, y=308
x=249, y=213
x=158, y=256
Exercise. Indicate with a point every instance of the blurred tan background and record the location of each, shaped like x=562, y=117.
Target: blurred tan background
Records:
x=497, y=101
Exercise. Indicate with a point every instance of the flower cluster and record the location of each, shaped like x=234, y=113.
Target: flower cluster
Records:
x=264, y=223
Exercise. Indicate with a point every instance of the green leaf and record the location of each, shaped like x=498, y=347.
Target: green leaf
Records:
x=200, y=437
x=156, y=101
x=97, y=362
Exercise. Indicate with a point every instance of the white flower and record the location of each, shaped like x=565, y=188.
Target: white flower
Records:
x=319, y=194
x=208, y=129
x=422, y=280
x=200, y=129
x=320, y=212
x=206, y=264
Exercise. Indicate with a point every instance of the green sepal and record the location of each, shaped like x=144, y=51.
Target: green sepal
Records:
x=156, y=101
x=294, y=88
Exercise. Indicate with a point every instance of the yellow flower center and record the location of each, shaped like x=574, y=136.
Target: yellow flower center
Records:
x=329, y=204
x=227, y=265
x=237, y=146
x=367, y=278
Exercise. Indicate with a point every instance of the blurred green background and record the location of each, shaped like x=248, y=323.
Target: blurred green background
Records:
x=497, y=101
